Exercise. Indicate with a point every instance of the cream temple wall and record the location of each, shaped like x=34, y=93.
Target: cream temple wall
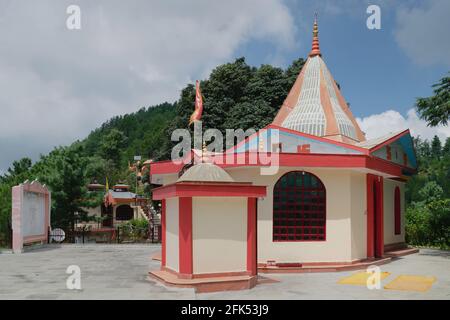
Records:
x=358, y=200
x=346, y=224
x=345, y=239
x=389, y=219
x=219, y=234
x=172, y=227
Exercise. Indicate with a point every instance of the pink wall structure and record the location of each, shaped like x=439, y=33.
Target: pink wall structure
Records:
x=30, y=214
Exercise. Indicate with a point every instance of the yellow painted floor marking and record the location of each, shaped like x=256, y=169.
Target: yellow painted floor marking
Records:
x=360, y=278
x=411, y=283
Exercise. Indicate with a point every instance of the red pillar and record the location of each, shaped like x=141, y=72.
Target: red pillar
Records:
x=251, y=236
x=370, y=216
x=380, y=218
x=163, y=231
x=185, y=236
x=375, y=223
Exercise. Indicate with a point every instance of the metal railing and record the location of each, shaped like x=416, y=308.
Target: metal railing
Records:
x=125, y=233
x=6, y=235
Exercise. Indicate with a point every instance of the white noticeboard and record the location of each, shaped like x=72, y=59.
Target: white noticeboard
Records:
x=33, y=214
x=30, y=214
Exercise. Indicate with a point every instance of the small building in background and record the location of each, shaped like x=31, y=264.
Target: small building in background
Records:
x=120, y=205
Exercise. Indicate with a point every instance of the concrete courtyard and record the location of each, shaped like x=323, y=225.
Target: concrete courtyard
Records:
x=120, y=272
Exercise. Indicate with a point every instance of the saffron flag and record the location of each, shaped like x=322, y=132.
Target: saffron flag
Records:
x=107, y=184
x=197, y=114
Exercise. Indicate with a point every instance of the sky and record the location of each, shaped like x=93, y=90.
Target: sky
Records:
x=57, y=84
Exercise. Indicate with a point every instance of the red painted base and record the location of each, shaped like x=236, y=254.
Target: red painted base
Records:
x=210, y=284
x=395, y=246
x=391, y=252
x=401, y=252
x=324, y=267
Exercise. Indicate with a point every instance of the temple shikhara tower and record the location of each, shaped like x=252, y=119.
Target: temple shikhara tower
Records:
x=335, y=201
x=315, y=104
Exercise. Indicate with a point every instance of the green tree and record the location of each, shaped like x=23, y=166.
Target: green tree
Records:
x=431, y=192
x=436, y=147
x=63, y=170
x=19, y=167
x=249, y=115
x=446, y=148
x=439, y=222
x=16, y=174
x=424, y=150
x=97, y=169
x=429, y=224
x=435, y=110
x=111, y=146
x=268, y=84
x=227, y=86
x=417, y=225
x=293, y=71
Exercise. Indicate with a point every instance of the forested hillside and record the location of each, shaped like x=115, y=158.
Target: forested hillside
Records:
x=144, y=132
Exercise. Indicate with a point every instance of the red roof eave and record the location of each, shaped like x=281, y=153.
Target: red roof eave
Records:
x=110, y=200
x=388, y=141
x=296, y=160
x=208, y=190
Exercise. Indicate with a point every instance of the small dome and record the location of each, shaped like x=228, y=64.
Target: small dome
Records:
x=205, y=172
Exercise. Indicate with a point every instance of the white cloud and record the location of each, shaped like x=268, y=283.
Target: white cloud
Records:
x=56, y=85
x=422, y=32
x=377, y=125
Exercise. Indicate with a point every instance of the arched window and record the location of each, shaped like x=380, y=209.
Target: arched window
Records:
x=397, y=210
x=299, y=208
x=124, y=212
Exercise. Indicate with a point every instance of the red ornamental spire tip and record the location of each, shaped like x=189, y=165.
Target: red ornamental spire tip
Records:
x=315, y=50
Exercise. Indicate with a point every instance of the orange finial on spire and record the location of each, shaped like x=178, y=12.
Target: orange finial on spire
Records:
x=315, y=51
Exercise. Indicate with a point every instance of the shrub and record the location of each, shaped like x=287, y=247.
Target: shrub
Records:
x=439, y=222
x=135, y=230
x=139, y=223
x=429, y=223
x=417, y=225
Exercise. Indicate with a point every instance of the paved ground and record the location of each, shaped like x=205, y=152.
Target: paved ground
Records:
x=120, y=272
